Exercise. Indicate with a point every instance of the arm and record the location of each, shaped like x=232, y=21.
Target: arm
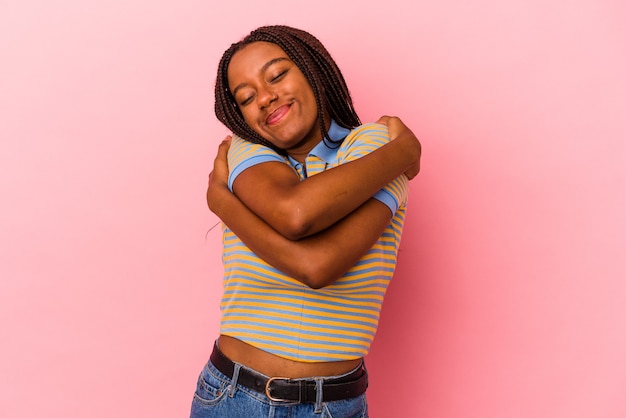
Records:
x=319, y=259
x=275, y=193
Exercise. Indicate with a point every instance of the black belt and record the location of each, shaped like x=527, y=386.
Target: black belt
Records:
x=293, y=390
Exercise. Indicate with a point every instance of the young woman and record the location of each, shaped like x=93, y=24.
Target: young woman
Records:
x=311, y=231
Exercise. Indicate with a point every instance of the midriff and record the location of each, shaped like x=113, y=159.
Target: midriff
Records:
x=275, y=366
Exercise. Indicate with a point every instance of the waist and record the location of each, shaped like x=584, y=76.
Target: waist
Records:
x=292, y=390
x=272, y=365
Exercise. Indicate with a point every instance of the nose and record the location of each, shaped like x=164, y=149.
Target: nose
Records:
x=266, y=97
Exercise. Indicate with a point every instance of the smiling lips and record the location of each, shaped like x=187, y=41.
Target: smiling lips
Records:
x=277, y=115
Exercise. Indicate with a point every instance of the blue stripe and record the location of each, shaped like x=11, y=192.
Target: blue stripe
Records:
x=365, y=335
x=241, y=301
x=248, y=290
x=335, y=326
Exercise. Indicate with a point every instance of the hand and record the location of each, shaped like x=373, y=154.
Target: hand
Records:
x=400, y=132
x=218, y=178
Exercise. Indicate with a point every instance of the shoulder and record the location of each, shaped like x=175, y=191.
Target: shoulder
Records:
x=244, y=154
x=364, y=139
x=370, y=131
x=369, y=134
x=241, y=149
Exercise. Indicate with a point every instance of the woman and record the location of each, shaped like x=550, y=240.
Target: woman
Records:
x=308, y=251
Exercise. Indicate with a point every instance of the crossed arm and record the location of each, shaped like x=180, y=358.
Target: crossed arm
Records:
x=317, y=229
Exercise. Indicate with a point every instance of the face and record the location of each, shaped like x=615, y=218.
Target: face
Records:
x=275, y=98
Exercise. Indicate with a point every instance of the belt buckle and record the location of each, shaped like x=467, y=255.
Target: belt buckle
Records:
x=267, y=389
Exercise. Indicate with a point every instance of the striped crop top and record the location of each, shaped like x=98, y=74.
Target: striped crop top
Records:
x=271, y=311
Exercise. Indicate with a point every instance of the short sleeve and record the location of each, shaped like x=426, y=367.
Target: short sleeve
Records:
x=244, y=154
x=364, y=140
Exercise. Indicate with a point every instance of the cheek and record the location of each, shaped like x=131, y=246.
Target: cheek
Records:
x=311, y=103
x=249, y=118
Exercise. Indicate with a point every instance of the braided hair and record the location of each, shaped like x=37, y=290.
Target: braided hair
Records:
x=314, y=61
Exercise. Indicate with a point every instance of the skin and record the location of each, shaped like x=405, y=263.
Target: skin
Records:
x=317, y=260
x=272, y=190
x=316, y=240
x=275, y=98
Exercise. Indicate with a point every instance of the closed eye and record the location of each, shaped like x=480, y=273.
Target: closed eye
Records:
x=278, y=76
x=272, y=80
x=246, y=101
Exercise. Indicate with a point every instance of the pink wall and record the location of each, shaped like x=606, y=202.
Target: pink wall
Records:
x=508, y=300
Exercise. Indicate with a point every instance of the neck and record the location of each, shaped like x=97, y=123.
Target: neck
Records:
x=301, y=154
x=302, y=150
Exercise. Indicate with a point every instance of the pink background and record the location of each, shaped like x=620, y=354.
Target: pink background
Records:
x=509, y=297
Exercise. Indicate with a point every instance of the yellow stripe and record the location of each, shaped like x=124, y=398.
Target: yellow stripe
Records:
x=298, y=335
x=290, y=342
x=271, y=299
x=305, y=327
x=308, y=311
x=240, y=287
x=334, y=320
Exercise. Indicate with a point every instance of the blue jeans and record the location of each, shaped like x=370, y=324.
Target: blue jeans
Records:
x=217, y=396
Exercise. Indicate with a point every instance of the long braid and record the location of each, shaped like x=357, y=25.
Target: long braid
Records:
x=307, y=52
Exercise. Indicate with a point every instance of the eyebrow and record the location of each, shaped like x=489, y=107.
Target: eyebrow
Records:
x=263, y=69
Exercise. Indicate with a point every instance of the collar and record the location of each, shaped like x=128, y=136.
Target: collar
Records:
x=322, y=150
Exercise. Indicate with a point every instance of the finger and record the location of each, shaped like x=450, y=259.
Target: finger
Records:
x=383, y=120
x=222, y=149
